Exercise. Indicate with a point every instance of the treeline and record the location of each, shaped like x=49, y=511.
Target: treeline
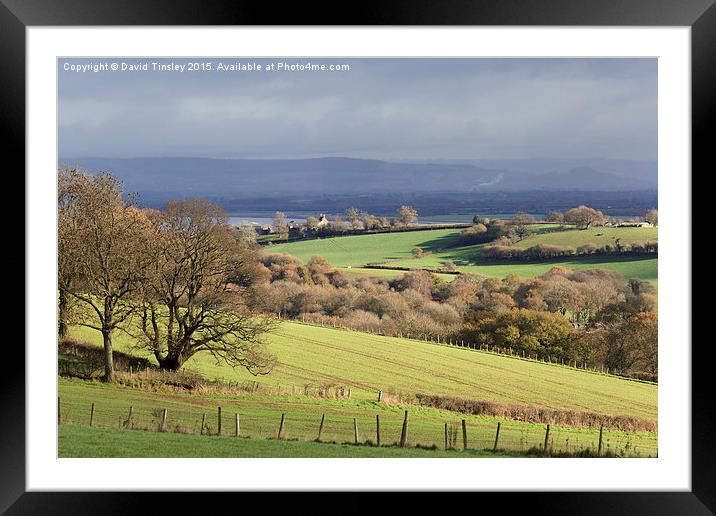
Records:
x=593, y=317
x=551, y=251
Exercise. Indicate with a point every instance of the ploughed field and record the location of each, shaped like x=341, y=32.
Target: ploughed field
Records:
x=441, y=246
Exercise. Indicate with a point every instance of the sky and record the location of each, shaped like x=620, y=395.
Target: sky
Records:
x=393, y=109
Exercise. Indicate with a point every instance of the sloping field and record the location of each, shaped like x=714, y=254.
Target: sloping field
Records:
x=260, y=417
x=467, y=260
x=396, y=248
x=597, y=236
x=367, y=363
x=361, y=249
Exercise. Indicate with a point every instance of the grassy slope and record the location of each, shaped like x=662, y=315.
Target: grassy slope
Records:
x=359, y=250
x=261, y=413
x=314, y=355
x=598, y=236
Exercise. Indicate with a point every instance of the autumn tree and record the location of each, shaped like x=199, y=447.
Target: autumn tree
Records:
x=652, y=217
x=195, y=295
x=312, y=223
x=104, y=240
x=521, y=221
x=407, y=215
x=554, y=216
x=583, y=216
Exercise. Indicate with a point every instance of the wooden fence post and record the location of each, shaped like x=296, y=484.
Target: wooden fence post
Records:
x=238, y=425
x=349, y=393
x=129, y=418
x=464, y=435
x=601, y=431
x=203, y=421
x=218, y=418
x=92, y=415
x=163, y=425
x=497, y=436
x=404, y=431
x=320, y=428
x=59, y=419
x=380, y=395
x=355, y=429
x=280, y=427
x=446, y=437
x=546, y=438
x=377, y=430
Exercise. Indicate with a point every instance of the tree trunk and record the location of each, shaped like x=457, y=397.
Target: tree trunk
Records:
x=108, y=359
x=62, y=327
x=171, y=362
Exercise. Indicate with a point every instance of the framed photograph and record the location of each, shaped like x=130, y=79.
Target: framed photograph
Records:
x=267, y=251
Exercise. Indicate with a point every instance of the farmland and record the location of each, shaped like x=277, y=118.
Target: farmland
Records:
x=260, y=417
x=441, y=246
x=82, y=441
x=367, y=363
x=361, y=249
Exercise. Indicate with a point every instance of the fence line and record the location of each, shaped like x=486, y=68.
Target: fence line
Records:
x=341, y=428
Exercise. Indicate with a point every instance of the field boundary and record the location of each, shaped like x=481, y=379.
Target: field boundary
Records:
x=229, y=424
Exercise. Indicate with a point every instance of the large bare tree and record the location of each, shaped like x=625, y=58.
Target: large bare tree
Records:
x=102, y=253
x=195, y=295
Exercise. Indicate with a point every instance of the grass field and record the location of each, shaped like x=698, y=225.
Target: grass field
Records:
x=597, y=236
x=388, y=274
x=361, y=249
x=367, y=363
x=83, y=441
x=396, y=248
x=260, y=416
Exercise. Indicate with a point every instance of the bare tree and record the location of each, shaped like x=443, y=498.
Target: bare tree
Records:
x=280, y=224
x=195, y=297
x=69, y=180
x=102, y=239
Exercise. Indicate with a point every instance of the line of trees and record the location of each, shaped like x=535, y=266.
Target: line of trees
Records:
x=560, y=314
x=551, y=251
x=177, y=280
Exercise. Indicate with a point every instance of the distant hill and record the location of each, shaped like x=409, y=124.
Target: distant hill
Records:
x=244, y=178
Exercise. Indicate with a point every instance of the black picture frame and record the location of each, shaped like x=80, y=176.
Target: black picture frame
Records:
x=700, y=15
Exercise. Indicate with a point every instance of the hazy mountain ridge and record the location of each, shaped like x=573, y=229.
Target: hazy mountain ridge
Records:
x=181, y=177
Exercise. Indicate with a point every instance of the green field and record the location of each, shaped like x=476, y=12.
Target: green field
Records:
x=83, y=441
x=628, y=266
x=396, y=248
x=598, y=236
x=260, y=416
x=367, y=363
x=388, y=274
x=361, y=249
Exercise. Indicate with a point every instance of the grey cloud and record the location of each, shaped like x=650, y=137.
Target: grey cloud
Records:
x=382, y=108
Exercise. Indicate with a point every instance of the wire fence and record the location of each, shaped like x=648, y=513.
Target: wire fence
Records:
x=389, y=428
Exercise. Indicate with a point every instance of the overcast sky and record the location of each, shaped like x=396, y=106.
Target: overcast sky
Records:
x=381, y=108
